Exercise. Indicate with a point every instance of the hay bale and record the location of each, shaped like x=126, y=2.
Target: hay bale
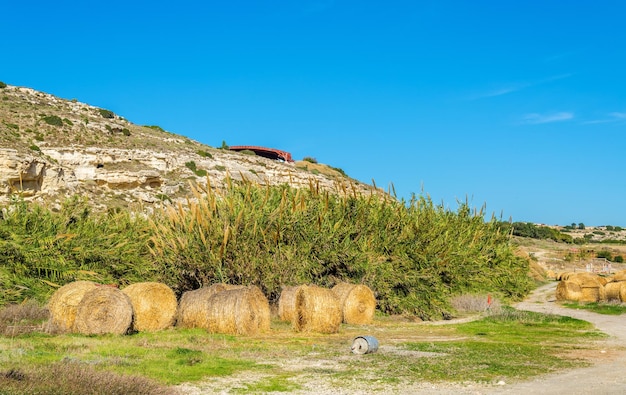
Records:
x=287, y=303
x=619, y=276
x=586, y=279
x=567, y=290
x=64, y=302
x=593, y=294
x=613, y=291
x=104, y=310
x=357, y=302
x=193, y=306
x=238, y=311
x=316, y=310
x=154, y=305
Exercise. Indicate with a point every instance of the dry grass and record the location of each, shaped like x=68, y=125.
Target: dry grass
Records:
x=78, y=379
x=23, y=318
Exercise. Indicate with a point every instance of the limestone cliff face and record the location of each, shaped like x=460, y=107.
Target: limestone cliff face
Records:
x=52, y=149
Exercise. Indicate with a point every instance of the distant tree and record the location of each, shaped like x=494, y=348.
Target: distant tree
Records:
x=2, y=85
x=581, y=226
x=573, y=225
x=224, y=145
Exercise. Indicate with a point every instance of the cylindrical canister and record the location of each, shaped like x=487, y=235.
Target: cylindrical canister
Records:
x=364, y=345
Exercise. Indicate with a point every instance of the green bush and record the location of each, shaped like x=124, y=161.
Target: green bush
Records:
x=2, y=85
x=618, y=259
x=35, y=148
x=126, y=132
x=415, y=255
x=204, y=154
x=106, y=113
x=53, y=120
x=309, y=159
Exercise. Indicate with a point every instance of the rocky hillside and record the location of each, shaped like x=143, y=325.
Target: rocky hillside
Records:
x=52, y=148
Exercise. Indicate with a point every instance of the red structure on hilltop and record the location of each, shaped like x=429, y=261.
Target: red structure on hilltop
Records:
x=270, y=153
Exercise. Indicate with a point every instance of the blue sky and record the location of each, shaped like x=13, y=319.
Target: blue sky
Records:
x=519, y=106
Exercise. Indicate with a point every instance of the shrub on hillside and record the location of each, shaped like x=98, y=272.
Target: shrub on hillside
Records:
x=106, y=113
x=53, y=120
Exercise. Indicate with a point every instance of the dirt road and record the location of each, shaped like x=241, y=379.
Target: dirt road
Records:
x=606, y=377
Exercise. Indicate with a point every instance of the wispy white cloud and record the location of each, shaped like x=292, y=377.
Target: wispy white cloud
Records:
x=612, y=117
x=536, y=118
x=516, y=87
x=618, y=115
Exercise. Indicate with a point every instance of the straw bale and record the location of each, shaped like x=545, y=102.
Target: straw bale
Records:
x=357, y=302
x=154, y=305
x=593, y=293
x=238, y=311
x=567, y=290
x=619, y=276
x=64, y=302
x=193, y=306
x=287, y=303
x=316, y=310
x=613, y=291
x=586, y=279
x=104, y=310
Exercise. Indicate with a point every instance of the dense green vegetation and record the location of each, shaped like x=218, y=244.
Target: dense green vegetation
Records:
x=415, y=255
x=527, y=229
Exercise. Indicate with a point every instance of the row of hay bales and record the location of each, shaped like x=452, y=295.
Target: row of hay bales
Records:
x=90, y=308
x=315, y=309
x=590, y=287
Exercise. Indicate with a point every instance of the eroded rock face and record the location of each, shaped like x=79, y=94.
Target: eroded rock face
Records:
x=131, y=176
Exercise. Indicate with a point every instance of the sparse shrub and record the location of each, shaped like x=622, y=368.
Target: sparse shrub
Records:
x=604, y=254
x=475, y=303
x=39, y=137
x=18, y=319
x=204, y=154
x=618, y=259
x=219, y=167
x=126, y=132
x=224, y=146
x=2, y=85
x=67, y=121
x=191, y=165
x=247, y=152
x=155, y=127
x=53, y=120
x=309, y=159
x=35, y=148
x=337, y=169
x=106, y=113
x=12, y=126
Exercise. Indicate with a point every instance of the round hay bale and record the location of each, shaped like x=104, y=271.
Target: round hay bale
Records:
x=592, y=294
x=316, y=310
x=193, y=306
x=154, y=305
x=586, y=279
x=104, y=310
x=357, y=302
x=612, y=291
x=567, y=290
x=238, y=311
x=619, y=276
x=64, y=302
x=287, y=303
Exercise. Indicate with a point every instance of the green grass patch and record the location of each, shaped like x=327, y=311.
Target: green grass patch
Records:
x=600, y=308
x=512, y=345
